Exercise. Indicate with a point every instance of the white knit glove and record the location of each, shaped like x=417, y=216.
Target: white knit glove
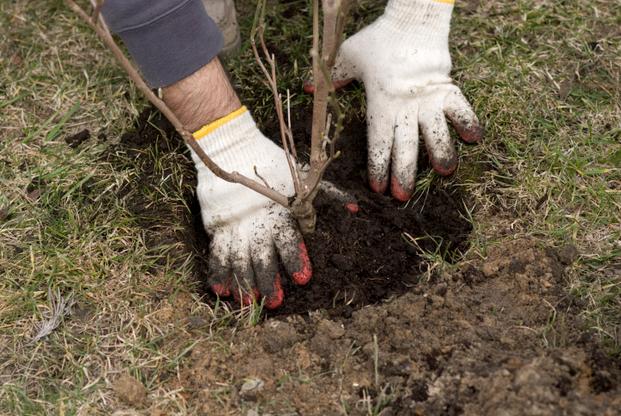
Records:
x=403, y=60
x=247, y=229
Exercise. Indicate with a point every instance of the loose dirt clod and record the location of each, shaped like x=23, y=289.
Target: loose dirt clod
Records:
x=130, y=390
x=279, y=335
x=77, y=139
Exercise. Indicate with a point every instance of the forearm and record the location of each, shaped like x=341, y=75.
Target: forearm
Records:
x=202, y=97
x=168, y=39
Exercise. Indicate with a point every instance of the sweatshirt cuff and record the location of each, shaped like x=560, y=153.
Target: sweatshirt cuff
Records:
x=174, y=44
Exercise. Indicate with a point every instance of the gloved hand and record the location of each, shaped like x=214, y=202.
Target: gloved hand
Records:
x=404, y=62
x=247, y=229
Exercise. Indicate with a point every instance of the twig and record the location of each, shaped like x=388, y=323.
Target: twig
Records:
x=376, y=360
x=286, y=137
x=256, y=172
x=96, y=9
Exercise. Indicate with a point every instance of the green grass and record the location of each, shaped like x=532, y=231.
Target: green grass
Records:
x=544, y=76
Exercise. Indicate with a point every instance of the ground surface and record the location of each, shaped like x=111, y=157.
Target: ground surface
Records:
x=495, y=291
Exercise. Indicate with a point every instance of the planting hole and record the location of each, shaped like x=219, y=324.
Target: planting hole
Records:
x=358, y=259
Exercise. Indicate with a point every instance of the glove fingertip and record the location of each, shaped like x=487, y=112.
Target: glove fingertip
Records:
x=305, y=273
x=352, y=207
x=249, y=298
x=309, y=87
x=398, y=191
x=470, y=134
x=444, y=167
x=278, y=295
x=378, y=186
x=245, y=298
x=221, y=290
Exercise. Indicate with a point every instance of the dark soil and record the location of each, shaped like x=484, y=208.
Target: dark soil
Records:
x=362, y=258
x=358, y=259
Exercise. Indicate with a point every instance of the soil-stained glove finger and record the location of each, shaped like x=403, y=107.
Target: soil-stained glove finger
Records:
x=381, y=129
x=438, y=140
x=219, y=279
x=405, y=156
x=463, y=118
x=265, y=265
x=345, y=67
x=244, y=286
x=292, y=250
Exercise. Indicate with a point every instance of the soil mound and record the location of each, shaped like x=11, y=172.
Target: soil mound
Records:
x=493, y=338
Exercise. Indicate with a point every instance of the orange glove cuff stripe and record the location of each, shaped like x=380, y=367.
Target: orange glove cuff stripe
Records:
x=208, y=128
x=445, y=1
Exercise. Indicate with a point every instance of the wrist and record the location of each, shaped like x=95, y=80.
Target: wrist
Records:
x=230, y=141
x=428, y=19
x=236, y=144
x=203, y=97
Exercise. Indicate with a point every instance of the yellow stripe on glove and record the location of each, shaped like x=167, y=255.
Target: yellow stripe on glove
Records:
x=205, y=130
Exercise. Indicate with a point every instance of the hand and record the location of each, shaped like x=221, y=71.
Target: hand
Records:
x=248, y=230
x=403, y=60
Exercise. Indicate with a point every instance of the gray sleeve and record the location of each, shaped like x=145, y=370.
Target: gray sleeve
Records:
x=168, y=39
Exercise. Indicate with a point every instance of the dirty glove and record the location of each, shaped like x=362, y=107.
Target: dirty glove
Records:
x=403, y=60
x=247, y=229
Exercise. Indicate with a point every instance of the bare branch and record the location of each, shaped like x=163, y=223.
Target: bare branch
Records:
x=234, y=177
x=289, y=131
x=97, y=4
x=323, y=60
x=286, y=136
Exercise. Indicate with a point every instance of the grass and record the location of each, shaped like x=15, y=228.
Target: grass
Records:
x=544, y=76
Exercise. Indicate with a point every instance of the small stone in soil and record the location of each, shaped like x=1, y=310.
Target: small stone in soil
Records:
x=250, y=388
